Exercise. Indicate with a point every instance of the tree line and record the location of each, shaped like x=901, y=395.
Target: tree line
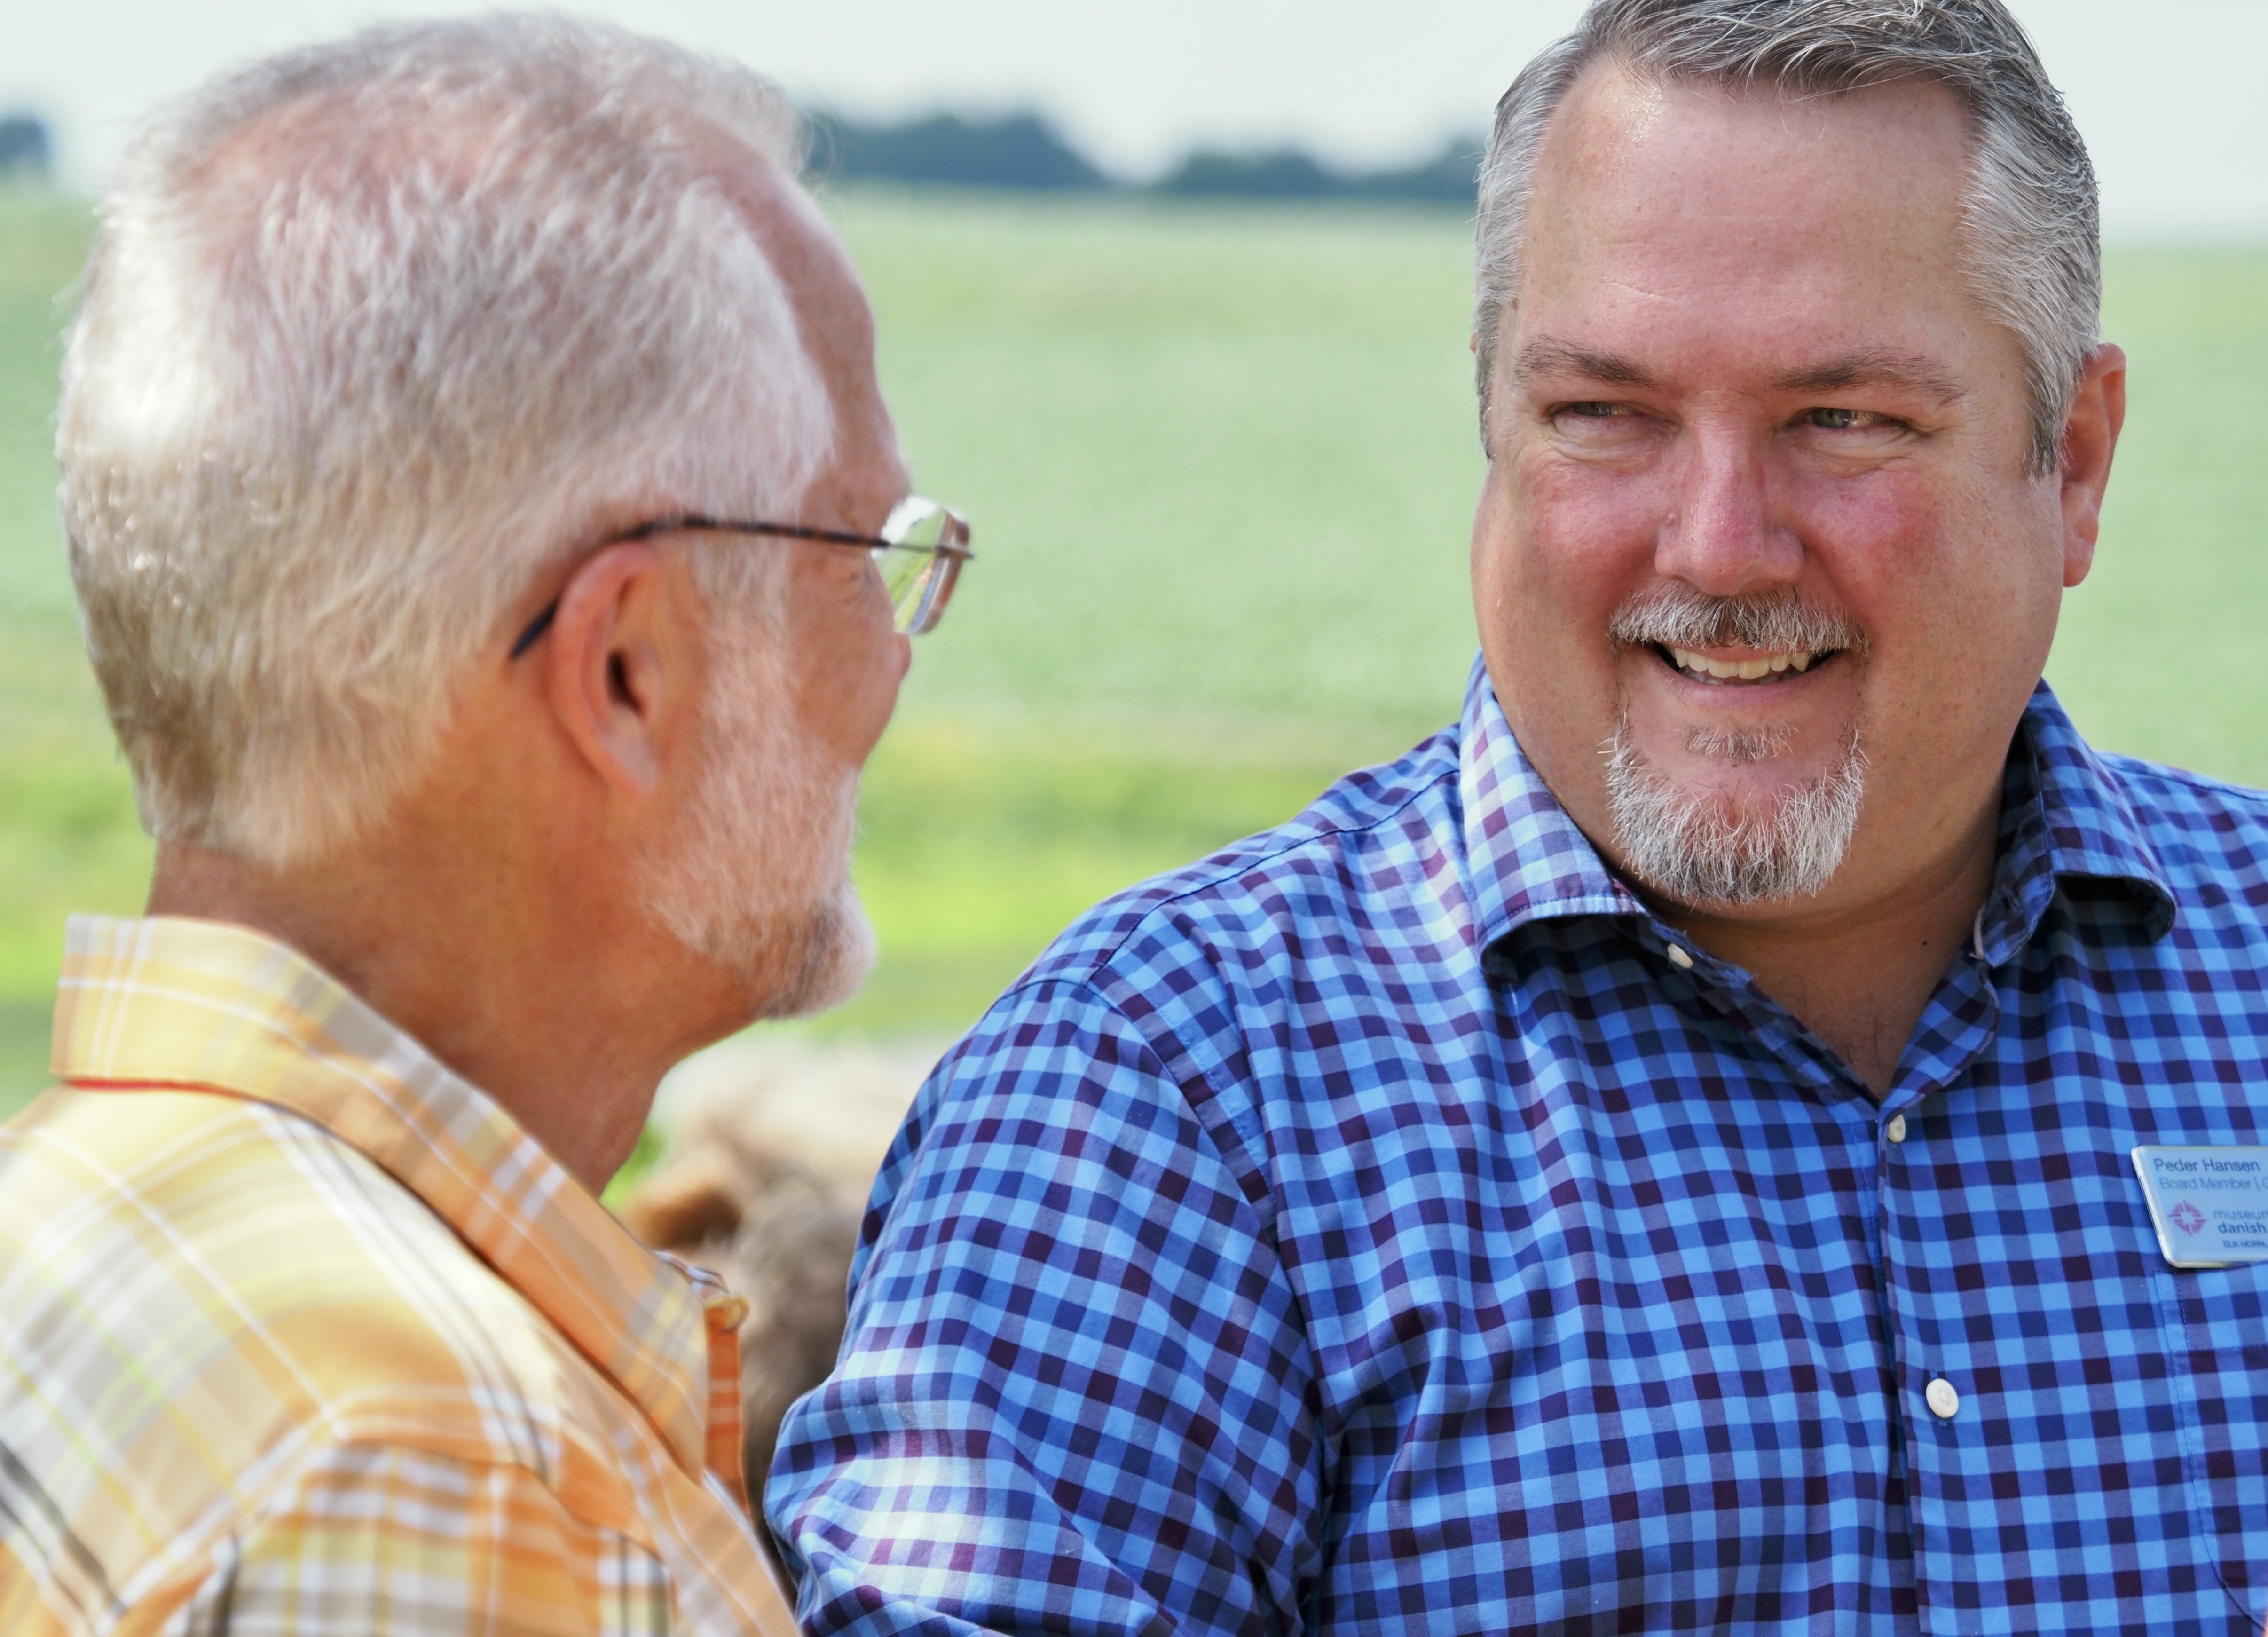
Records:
x=1024, y=150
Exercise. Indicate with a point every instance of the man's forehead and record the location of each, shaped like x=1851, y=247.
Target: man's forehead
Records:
x=1829, y=230
x=1615, y=106
x=1628, y=149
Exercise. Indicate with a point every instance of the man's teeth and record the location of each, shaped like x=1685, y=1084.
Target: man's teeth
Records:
x=1746, y=670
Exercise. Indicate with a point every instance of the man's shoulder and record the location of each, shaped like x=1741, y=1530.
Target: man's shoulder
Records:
x=199, y=1292
x=264, y=1219
x=1367, y=836
x=2204, y=832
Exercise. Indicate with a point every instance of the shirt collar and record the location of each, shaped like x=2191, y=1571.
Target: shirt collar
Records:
x=2065, y=820
x=1527, y=859
x=214, y=1007
x=2065, y=823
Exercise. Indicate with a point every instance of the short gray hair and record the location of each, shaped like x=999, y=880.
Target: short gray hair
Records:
x=2030, y=214
x=374, y=332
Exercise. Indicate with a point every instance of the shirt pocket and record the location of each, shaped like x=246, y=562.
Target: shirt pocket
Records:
x=2216, y=1324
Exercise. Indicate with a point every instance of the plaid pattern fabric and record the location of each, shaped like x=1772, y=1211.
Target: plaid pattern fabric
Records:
x=1378, y=1227
x=300, y=1333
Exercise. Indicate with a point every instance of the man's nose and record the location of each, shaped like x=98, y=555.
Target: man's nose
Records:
x=1723, y=535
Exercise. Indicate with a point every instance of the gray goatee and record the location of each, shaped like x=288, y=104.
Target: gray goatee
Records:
x=1700, y=849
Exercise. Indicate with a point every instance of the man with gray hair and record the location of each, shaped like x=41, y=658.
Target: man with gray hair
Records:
x=1754, y=1128
x=496, y=559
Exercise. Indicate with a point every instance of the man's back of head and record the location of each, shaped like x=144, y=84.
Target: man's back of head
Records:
x=386, y=345
x=372, y=331
x=496, y=557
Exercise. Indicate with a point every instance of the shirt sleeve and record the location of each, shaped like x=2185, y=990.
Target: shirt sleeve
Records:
x=375, y=1541
x=1074, y=1396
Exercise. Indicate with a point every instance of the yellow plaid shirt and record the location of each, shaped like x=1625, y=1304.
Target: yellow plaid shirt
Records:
x=301, y=1333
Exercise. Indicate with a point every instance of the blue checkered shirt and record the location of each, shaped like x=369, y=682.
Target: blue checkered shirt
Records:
x=1379, y=1227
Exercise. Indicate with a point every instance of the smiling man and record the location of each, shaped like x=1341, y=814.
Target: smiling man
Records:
x=1788, y=475
x=1670, y=1153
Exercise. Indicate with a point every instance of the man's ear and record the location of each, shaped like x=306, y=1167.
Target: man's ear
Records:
x=2090, y=437
x=620, y=671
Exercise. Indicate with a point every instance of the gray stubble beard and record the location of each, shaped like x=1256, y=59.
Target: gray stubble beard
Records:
x=1692, y=847
x=1697, y=848
x=760, y=883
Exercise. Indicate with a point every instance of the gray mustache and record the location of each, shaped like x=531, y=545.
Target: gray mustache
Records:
x=1676, y=616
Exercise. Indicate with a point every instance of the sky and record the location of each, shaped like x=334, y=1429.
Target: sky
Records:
x=2166, y=92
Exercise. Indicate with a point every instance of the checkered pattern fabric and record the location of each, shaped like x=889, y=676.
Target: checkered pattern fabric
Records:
x=301, y=1334
x=1376, y=1228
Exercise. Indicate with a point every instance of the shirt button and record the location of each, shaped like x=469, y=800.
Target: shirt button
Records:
x=1679, y=959
x=1943, y=1401
x=1896, y=1131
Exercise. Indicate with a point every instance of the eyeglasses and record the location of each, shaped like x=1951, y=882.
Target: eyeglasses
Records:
x=919, y=551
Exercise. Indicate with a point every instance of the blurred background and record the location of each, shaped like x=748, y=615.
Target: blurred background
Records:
x=1174, y=303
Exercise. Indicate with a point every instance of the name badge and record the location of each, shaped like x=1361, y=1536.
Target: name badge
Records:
x=2210, y=1205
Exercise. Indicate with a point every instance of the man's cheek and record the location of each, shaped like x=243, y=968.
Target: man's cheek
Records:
x=1894, y=527
x=1585, y=561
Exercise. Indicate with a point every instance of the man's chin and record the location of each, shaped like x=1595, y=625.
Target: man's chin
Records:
x=820, y=967
x=785, y=953
x=1738, y=831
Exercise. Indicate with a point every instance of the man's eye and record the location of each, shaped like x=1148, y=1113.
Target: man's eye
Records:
x=1847, y=420
x=1596, y=418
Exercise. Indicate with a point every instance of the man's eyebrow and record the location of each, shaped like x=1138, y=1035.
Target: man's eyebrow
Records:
x=1547, y=356
x=1872, y=368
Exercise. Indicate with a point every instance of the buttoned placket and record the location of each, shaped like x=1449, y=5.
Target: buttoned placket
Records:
x=1929, y=1403
x=1937, y=1402
x=723, y=1451
x=724, y=1315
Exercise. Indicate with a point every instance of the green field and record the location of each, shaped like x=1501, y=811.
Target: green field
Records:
x=1221, y=462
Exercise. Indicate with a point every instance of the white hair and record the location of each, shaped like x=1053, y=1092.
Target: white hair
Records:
x=374, y=332
x=2030, y=209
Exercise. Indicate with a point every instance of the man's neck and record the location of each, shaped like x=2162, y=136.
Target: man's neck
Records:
x=560, y=1042
x=1860, y=975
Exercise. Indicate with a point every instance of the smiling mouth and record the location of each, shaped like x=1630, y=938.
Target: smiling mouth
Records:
x=1761, y=668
